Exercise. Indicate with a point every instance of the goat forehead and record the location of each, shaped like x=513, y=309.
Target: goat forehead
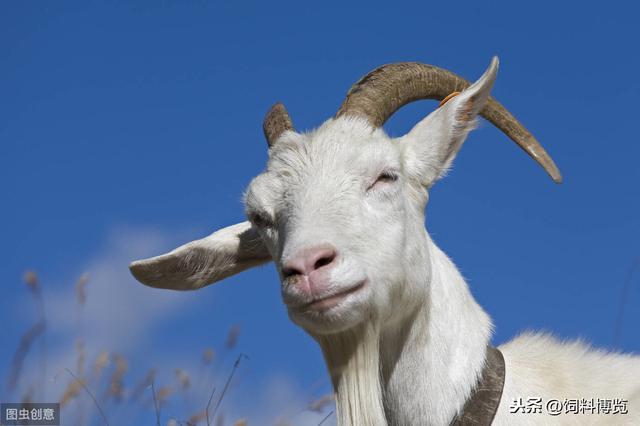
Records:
x=337, y=151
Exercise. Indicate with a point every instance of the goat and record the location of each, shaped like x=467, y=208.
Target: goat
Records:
x=340, y=210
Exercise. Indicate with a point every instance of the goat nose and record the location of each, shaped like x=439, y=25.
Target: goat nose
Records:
x=308, y=260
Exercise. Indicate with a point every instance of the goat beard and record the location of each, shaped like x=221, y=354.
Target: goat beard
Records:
x=353, y=361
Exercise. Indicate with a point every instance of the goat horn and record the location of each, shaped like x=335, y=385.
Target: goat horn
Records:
x=276, y=122
x=383, y=91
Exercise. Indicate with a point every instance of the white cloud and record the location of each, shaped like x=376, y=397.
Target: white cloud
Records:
x=119, y=311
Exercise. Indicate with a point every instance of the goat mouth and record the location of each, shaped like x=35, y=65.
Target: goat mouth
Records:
x=327, y=302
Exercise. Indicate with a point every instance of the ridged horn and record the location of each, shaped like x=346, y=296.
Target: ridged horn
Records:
x=383, y=91
x=275, y=123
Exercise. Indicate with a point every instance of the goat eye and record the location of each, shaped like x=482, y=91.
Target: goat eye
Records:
x=387, y=177
x=261, y=220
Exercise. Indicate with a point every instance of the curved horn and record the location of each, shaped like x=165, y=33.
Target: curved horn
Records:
x=383, y=91
x=276, y=122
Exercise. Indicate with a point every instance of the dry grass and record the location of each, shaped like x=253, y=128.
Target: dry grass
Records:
x=183, y=378
x=100, y=364
x=197, y=418
x=232, y=337
x=81, y=294
x=71, y=392
x=143, y=385
x=116, y=384
x=109, y=371
x=21, y=353
x=208, y=356
x=36, y=331
x=321, y=403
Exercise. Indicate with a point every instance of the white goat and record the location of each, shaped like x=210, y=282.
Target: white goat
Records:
x=340, y=210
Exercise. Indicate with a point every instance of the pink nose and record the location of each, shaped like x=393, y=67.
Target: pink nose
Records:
x=309, y=259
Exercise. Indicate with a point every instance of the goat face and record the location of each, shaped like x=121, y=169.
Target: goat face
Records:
x=332, y=209
x=340, y=209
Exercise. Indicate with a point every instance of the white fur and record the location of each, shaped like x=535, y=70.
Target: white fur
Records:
x=408, y=348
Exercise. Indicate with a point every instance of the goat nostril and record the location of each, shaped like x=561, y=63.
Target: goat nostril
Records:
x=324, y=261
x=289, y=272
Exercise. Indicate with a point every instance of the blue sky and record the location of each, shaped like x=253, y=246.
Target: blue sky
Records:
x=126, y=129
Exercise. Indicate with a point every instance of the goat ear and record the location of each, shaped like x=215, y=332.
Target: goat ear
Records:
x=203, y=262
x=433, y=143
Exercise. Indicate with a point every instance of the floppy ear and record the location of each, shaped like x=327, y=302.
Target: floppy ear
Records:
x=434, y=142
x=203, y=262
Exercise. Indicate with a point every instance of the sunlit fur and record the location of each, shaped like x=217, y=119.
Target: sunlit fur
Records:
x=408, y=348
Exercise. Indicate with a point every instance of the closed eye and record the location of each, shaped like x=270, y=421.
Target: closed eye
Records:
x=384, y=178
x=260, y=220
x=387, y=177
